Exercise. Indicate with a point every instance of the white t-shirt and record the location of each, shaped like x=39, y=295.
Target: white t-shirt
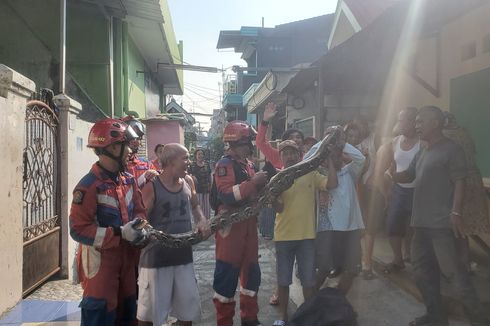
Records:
x=404, y=158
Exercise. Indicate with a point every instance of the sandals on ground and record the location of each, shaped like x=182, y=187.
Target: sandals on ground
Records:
x=274, y=300
x=393, y=268
x=367, y=274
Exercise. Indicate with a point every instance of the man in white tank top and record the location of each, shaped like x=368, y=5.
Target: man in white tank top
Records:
x=400, y=154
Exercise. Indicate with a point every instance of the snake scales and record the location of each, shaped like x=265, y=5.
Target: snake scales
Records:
x=277, y=185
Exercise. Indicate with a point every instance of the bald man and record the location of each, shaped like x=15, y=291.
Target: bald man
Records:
x=167, y=281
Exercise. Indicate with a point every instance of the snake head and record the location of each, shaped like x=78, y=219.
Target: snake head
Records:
x=338, y=134
x=140, y=223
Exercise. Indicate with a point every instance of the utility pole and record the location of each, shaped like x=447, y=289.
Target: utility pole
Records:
x=62, y=65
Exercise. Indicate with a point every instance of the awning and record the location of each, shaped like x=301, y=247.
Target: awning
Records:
x=144, y=9
x=270, y=89
x=302, y=80
x=238, y=40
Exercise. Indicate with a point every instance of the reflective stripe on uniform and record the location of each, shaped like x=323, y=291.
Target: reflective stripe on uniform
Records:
x=107, y=200
x=141, y=180
x=246, y=292
x=236, y=192
x=99, y=237
x=129, y=197
x=223, y=299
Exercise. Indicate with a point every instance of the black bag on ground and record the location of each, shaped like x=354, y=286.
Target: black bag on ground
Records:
x=328, y=307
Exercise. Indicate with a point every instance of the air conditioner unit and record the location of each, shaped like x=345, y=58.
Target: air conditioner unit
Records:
x=231, y=87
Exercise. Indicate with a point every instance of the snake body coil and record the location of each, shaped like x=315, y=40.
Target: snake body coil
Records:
x=277, y=185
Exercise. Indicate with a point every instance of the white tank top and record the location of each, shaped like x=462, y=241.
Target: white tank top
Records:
x=404, y=158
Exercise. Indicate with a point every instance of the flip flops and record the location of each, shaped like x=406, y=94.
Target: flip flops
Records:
x=367, y=274
x=393, y=268
x=274, y=300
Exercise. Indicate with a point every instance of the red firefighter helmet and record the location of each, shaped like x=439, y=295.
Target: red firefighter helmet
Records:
x=109, y=131
x=239, y=132
x=136, y=124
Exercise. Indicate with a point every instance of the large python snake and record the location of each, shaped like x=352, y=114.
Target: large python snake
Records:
x=282, y=181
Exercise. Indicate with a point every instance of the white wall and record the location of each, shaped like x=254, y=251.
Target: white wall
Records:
x=14, y=91
x=76, y=161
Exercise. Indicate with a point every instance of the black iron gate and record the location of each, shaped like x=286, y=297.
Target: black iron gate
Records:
x=41, y=191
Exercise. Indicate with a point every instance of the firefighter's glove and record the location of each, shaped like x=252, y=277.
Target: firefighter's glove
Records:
x=134, y=233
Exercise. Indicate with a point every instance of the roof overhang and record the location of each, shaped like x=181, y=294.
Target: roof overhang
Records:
x=270, y=89
x=242, y=41
x=303, y=80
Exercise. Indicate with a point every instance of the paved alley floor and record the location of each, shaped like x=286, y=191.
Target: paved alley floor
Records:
x=378, y=302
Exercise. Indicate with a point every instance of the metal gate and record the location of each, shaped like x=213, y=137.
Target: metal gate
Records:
x=41, y=191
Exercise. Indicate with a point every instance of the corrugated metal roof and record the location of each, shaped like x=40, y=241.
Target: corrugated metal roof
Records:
x=146, y=9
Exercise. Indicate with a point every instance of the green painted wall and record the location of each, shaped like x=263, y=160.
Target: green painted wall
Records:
x=31, y=47
x=470, y=103
x=136, y=81
x=87, y=52
x=176, y=49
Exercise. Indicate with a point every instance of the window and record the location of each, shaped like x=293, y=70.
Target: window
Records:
x=307, y=126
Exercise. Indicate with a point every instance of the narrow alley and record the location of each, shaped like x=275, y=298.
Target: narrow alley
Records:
x=377, y=302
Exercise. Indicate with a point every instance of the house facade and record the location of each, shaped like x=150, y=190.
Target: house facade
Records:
x=263, y=49
x=113, y=52
x=113, y=55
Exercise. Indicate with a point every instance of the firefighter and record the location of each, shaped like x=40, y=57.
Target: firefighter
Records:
x=139, y=167
x=105, y=219
x=237, y=245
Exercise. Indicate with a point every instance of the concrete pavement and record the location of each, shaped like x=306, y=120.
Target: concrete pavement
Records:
x=204, y=265
x=378, y=302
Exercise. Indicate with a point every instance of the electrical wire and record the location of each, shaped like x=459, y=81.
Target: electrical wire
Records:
x=202, y=87
x=200, y=91
x=196, y=104
x=200, y=95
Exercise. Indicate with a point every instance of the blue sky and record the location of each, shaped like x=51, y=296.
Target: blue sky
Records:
x=198, y=23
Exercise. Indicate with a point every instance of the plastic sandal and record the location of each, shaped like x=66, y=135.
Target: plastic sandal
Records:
x=368, y=275
x=393, y=268
x=274, y=300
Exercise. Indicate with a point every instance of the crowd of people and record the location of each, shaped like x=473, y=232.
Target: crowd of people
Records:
x=412, y=184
